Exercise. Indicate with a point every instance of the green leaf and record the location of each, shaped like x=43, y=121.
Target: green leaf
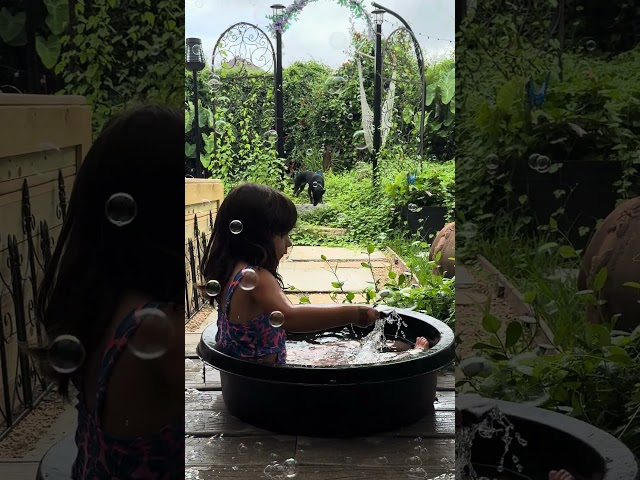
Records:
x=58, y=15
x=631, y=284
x=350, y=296
x=337, y=284
x=566, y=251
x=189, y=150
x=304, y=300
x=323, y=257
x=12, y=26
x=48, y=50
x=553, y=223
x=491, y=323
x=370, y=249
x=530, y=297
x=392, y=275
x=365, y=265
x=514, y=332
x=600, y=279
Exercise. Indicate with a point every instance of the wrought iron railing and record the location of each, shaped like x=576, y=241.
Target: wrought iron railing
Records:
x=194, y=253
x=22, y=385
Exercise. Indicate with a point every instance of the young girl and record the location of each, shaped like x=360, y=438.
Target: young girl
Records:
x=112, y=300
x=251, y=234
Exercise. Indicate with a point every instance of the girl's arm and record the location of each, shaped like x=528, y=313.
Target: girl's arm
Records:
x=307, y=318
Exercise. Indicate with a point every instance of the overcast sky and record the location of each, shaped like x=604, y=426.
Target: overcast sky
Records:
x=321, y=31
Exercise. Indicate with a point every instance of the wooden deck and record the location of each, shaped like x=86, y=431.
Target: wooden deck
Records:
x=219, y=445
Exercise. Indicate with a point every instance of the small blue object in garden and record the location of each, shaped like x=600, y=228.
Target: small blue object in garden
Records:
x=411, y=178
x=319, y=173
x=536, y=98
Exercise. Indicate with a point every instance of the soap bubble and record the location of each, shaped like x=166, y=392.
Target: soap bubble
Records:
x=314, y=185
x=416, y=472
x=309, y=152
x=243, y=449
x=290, y=467
x=350, y=116
x=220, y=127
x=121, y=209
x=323, y=118
x=223, y=101
x=414, y=461
x=385, y=293
x=590, y=45
x=214, y=82
x=276, y=319
x=197, y=50
x=338, y=40
x=258, y=446
x=359, y=141
x=213, y=288
x=544, y=164
x=335, y=84
x=533, y=161
x=249, y=279
x=270, y=137
x=413, y=207
x=236, y=227
x=383, y=460
x=153, y=336
x=66, y=354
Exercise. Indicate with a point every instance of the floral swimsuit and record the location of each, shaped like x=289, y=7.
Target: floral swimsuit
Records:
x=101, y=456
x=249, y=340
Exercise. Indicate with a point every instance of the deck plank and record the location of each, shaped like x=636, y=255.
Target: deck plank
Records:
x=314, y=472
x=229, y=451
x=193, y=377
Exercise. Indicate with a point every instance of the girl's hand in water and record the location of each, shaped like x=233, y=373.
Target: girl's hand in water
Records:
x=366, y=316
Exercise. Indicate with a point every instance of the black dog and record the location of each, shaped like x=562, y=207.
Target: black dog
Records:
x=316, y=185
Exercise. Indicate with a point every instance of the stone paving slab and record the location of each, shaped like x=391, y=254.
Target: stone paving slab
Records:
x=320, y=298
x=470, y=298
x=315, y=277
x=464, y=278
x=308, y=254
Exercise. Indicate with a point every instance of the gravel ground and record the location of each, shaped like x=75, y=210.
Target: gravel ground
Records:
x=469, y=317
x=196, y=322
x=31, y=429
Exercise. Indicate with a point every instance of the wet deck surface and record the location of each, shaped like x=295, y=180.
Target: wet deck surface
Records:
x=219, y=445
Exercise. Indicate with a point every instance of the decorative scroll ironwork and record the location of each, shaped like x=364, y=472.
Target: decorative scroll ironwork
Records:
x=243, y=62
x=23, y=388
x=246, y=50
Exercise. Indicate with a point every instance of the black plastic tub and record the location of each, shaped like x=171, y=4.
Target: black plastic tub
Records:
x=553, y=441
x=341, y=401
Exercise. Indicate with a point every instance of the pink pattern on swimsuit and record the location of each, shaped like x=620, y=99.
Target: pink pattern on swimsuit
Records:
x=103, y=456
x=250, y=340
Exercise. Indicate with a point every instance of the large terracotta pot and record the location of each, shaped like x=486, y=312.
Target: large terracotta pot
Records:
x=445, y=242
x=615, y=245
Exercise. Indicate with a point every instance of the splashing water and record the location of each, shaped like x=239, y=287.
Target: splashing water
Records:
x=331, y=348
x=372, y=345
x=493, y=424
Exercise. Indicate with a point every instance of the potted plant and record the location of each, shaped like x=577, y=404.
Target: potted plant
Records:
x=425, y=199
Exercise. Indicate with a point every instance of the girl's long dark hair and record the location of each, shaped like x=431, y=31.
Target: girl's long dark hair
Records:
x=95, y=262
x=263, y=213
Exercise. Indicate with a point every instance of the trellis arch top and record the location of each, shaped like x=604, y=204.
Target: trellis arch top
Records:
x=293, y=10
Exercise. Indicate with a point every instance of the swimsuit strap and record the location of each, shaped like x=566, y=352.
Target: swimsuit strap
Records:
x=117, y=343
x=232, y=287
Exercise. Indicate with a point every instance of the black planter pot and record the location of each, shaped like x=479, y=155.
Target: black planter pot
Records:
x=428, y=221
x=341, y=401
x=593, y=196
x=554, y=441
